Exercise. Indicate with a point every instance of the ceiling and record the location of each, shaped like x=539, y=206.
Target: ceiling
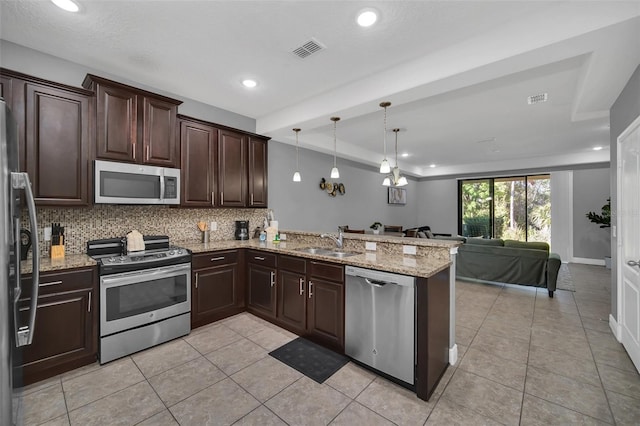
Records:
x=457, y=73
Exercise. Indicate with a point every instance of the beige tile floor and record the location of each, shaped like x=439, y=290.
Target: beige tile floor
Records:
x=524, y=359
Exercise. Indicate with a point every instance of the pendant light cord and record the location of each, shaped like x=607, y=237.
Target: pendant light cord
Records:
x=384, y=138
x=335, y=147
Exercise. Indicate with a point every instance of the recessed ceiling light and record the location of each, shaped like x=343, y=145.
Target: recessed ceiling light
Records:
x=432, y=165
x=367, y=17
x=249, y=83
x=405, y=154
x=68, y=5
x=597, y=148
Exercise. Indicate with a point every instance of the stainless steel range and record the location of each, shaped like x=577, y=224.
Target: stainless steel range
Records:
x=145, y=296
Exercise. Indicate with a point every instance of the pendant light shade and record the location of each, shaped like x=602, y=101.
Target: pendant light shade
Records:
x=395, y=178
x=335, y=173
x=384, y=166
x=296, y=176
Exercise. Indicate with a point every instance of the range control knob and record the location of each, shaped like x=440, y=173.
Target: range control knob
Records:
x=171, y=253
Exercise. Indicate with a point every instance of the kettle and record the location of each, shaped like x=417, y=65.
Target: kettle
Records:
x=25, y=243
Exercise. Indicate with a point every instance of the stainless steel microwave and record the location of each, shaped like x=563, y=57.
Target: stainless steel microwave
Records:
x=124, y=183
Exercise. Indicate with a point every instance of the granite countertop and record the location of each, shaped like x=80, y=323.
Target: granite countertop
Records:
x=70, y=261
x=418, y=266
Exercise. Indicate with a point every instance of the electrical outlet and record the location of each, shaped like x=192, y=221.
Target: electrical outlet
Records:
x=409, y=250
x=213, y=226
x=283, y=237
x=368, y=245
x=47, y=233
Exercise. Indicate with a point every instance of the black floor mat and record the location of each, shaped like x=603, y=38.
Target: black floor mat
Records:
x=312, y=360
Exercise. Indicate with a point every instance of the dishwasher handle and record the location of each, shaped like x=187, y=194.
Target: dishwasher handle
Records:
x=376, y=283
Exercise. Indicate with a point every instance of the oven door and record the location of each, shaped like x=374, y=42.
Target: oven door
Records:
x=132, y=299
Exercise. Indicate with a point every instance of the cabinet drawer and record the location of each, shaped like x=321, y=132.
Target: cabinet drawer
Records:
x=57, y=282
x=293, y=264
x=328, y=271
x=261, y=258
x=215, y=258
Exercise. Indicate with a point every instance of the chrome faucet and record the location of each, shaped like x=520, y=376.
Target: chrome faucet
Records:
x=337, y=240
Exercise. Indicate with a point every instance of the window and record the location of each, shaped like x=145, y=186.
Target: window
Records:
x=516, y=208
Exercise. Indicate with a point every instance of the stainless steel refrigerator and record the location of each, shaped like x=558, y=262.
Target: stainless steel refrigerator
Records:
x=16, y=329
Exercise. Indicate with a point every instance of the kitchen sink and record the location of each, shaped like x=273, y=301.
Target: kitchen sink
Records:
x=326, y=252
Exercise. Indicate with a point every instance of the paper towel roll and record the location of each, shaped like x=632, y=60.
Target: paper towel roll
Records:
x=274, y=224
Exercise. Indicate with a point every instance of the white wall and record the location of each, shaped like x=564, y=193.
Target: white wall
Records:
x=562, y=214
x=303, y=206
x=590, y=193
x=438, y=205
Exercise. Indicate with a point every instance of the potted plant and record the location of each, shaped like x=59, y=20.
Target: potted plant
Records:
x=604, y=221
x=376, y=226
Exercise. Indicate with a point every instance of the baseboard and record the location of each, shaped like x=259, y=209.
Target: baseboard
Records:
x=588, y=261
x=615, y=328
x=453, y=354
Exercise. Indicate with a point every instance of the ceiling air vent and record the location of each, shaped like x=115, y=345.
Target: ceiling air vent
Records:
x=308, y=48
x=535, y=99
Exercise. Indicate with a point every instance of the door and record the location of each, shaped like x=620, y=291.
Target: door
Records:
x=217, y=294
x=628, y=240
x=232, y=169
x=117, y=132
x=325, y=320
x=262, y=291
x=158, y=133
x=292, y=303
x=57, y=145
x=257, y=172
x=198, y=145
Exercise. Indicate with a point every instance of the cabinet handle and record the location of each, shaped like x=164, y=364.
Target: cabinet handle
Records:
x=301, y=286
x=252, y=198
x=258, y=258
x=214, y=259
x=310, y=289
x=147, y=152
x=134, y=151
x=89, y=304
x=221, y=198
x=48, y=284
x=213, y=198
x=273, y=278
x=196, y=279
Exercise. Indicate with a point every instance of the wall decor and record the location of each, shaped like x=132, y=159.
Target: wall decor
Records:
x=397, y=196
x=332, y=189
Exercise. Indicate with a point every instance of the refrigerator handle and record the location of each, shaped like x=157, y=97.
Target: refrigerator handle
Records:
x=24, y=334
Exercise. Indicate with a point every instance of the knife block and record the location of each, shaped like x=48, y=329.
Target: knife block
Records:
x=57, y=252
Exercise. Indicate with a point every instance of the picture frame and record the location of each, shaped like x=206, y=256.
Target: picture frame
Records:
x=397, y=196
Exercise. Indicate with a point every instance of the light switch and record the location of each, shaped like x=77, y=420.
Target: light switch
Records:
x=213, y=226
x=47, y=233
x=368, y=245
x=409, y=250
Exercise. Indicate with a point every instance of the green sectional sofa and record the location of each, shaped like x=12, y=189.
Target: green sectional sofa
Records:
x=508, y=261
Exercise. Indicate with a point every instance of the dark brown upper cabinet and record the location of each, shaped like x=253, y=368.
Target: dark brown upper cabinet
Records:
x=198, y=163
x=134, y=125
x=55, y=125
x=221, y=167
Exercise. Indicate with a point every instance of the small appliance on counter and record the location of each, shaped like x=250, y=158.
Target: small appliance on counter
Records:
x=242, y=230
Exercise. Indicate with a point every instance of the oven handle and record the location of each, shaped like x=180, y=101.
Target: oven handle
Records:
x=150, y=273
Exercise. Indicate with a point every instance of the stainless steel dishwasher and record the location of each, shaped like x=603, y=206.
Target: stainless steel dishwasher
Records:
x=380, y=321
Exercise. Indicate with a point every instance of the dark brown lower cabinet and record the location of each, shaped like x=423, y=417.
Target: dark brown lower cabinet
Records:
x=217, y=290
x=261, y=283
x=311, y=300
x=66, y=328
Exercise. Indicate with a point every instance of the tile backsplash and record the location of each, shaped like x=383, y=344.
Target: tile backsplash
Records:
x=109, y=221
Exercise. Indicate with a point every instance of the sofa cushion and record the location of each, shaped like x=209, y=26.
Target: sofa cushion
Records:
x=485, y=241
x=532, y=245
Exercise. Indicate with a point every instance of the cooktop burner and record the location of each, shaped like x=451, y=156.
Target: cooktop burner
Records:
x=112, y=256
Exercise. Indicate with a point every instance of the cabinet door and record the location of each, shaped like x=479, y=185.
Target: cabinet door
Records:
x=261, y=290
x=198, y=145
x=57, y=145
x=325, y=321
x=216, y=294
x=64, y=334
x=158, y=133
x=292, y=302
x=257, y=172
x=6, y=89
x=116, y=127
x=232, y=170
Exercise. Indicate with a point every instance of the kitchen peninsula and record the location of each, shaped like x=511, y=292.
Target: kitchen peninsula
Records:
x=274, y=281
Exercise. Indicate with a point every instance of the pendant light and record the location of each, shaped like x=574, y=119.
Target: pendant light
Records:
x=296, y=176
x=335, y=174
x=384, y=166
x=395, y=178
